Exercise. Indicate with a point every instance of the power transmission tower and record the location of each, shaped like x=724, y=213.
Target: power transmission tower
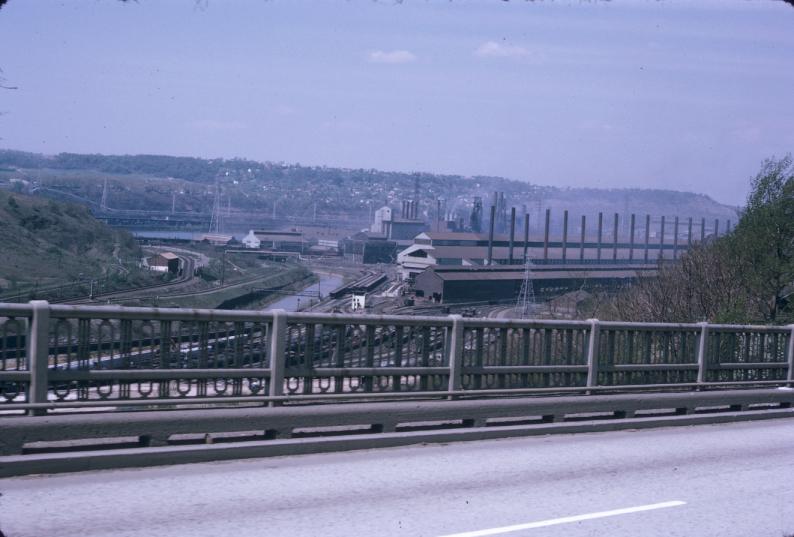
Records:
x=103, y=203
x=526, y=298
x=216, y=220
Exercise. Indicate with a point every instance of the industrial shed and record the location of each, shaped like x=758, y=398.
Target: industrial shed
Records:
x=469, y=285
x=164, y=262
x=495, y=284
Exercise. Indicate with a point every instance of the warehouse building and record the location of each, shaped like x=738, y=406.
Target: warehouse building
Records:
x=163, y=262
x=501, y=284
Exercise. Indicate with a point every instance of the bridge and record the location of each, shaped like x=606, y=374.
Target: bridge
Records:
x=84, y=388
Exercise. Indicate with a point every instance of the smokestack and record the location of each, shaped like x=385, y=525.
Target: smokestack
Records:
x=582, y=238
x=600, y=235
x=615, y=238
x=661, y=240
x=675, y=238
x=490, y=235
x=546, y=235
x=564, y=235
x=647, y=234
x=512, y=233
x=526, y=235
x=631, y=238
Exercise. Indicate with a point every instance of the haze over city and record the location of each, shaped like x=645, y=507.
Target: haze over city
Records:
x=679, y=95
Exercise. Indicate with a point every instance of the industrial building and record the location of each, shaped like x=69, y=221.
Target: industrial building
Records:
x=163, y=262
x=282, y=241
x=500, y=284
x=402, y=229
x=368, y=248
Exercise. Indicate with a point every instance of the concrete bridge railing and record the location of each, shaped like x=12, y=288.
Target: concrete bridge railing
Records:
x=55, y=355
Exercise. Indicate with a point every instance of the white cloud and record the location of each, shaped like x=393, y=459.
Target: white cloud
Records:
x=492, y=49
x=393, y=56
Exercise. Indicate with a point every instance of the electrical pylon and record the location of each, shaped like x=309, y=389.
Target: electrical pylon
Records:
x=526, y=298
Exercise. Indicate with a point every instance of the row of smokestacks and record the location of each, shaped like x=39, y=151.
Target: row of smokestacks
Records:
x=410, y=210
x=603, y=242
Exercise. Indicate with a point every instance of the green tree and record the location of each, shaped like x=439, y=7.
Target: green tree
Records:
x=744, y=277
x=763, y=241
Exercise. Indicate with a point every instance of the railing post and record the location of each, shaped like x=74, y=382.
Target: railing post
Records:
x=702, y=348
x=455, y=352
x=278, y=358
x=790, y=355
x=38, y=353
x=592, y=354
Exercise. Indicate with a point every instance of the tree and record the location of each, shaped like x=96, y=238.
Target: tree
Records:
x=744, y=277
x=764, y=240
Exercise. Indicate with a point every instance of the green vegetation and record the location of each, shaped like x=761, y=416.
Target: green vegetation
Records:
x=48, y=243
x=744, y=277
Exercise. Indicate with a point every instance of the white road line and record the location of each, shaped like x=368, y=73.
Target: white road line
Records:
x=566, y=520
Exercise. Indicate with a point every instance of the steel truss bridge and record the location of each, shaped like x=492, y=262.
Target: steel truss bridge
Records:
x=261, y=369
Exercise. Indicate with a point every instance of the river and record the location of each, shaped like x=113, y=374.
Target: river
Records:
x=327, y=283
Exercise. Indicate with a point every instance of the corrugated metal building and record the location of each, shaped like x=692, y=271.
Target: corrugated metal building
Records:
x=496, y=284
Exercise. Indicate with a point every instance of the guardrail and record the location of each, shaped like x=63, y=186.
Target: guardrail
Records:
x=57, y=355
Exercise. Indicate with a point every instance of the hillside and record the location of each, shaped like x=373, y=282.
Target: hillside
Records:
x=187, y=184
x=47, y=242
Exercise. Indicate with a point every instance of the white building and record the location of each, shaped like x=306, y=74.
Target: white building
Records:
x=382, y=216
x=251, y=240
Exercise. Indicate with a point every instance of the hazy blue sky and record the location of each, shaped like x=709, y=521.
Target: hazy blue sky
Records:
x=671, y=94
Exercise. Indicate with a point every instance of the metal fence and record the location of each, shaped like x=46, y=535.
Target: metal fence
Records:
x=51, y=354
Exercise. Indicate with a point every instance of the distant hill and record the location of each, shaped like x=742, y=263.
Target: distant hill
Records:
x=47, y=242
x=187, y=184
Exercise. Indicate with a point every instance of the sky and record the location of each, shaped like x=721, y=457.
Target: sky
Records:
x=684, y=95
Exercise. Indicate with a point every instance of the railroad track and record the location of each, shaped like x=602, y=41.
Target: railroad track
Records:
x=188, y=266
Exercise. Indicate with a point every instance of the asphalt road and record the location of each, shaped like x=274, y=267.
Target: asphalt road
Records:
x=717, y=480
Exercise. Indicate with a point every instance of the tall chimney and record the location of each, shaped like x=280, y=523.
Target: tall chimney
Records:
x=546, y=235
x=615, y=238
x=631, y=237
x=600, y=235
x=564, y=235
x=490, y=235
x=526, y=235
x=512, y=233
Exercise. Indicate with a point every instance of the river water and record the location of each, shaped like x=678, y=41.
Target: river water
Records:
x=328, y=282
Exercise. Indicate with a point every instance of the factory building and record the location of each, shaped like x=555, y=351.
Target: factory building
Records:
x=469, y=284
x=281, y=241
x=401, y=229
x=503, y=284
x=163, y=262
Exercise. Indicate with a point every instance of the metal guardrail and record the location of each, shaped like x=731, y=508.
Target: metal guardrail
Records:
x=57, y=355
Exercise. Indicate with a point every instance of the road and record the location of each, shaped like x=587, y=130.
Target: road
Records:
x=726, y=480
